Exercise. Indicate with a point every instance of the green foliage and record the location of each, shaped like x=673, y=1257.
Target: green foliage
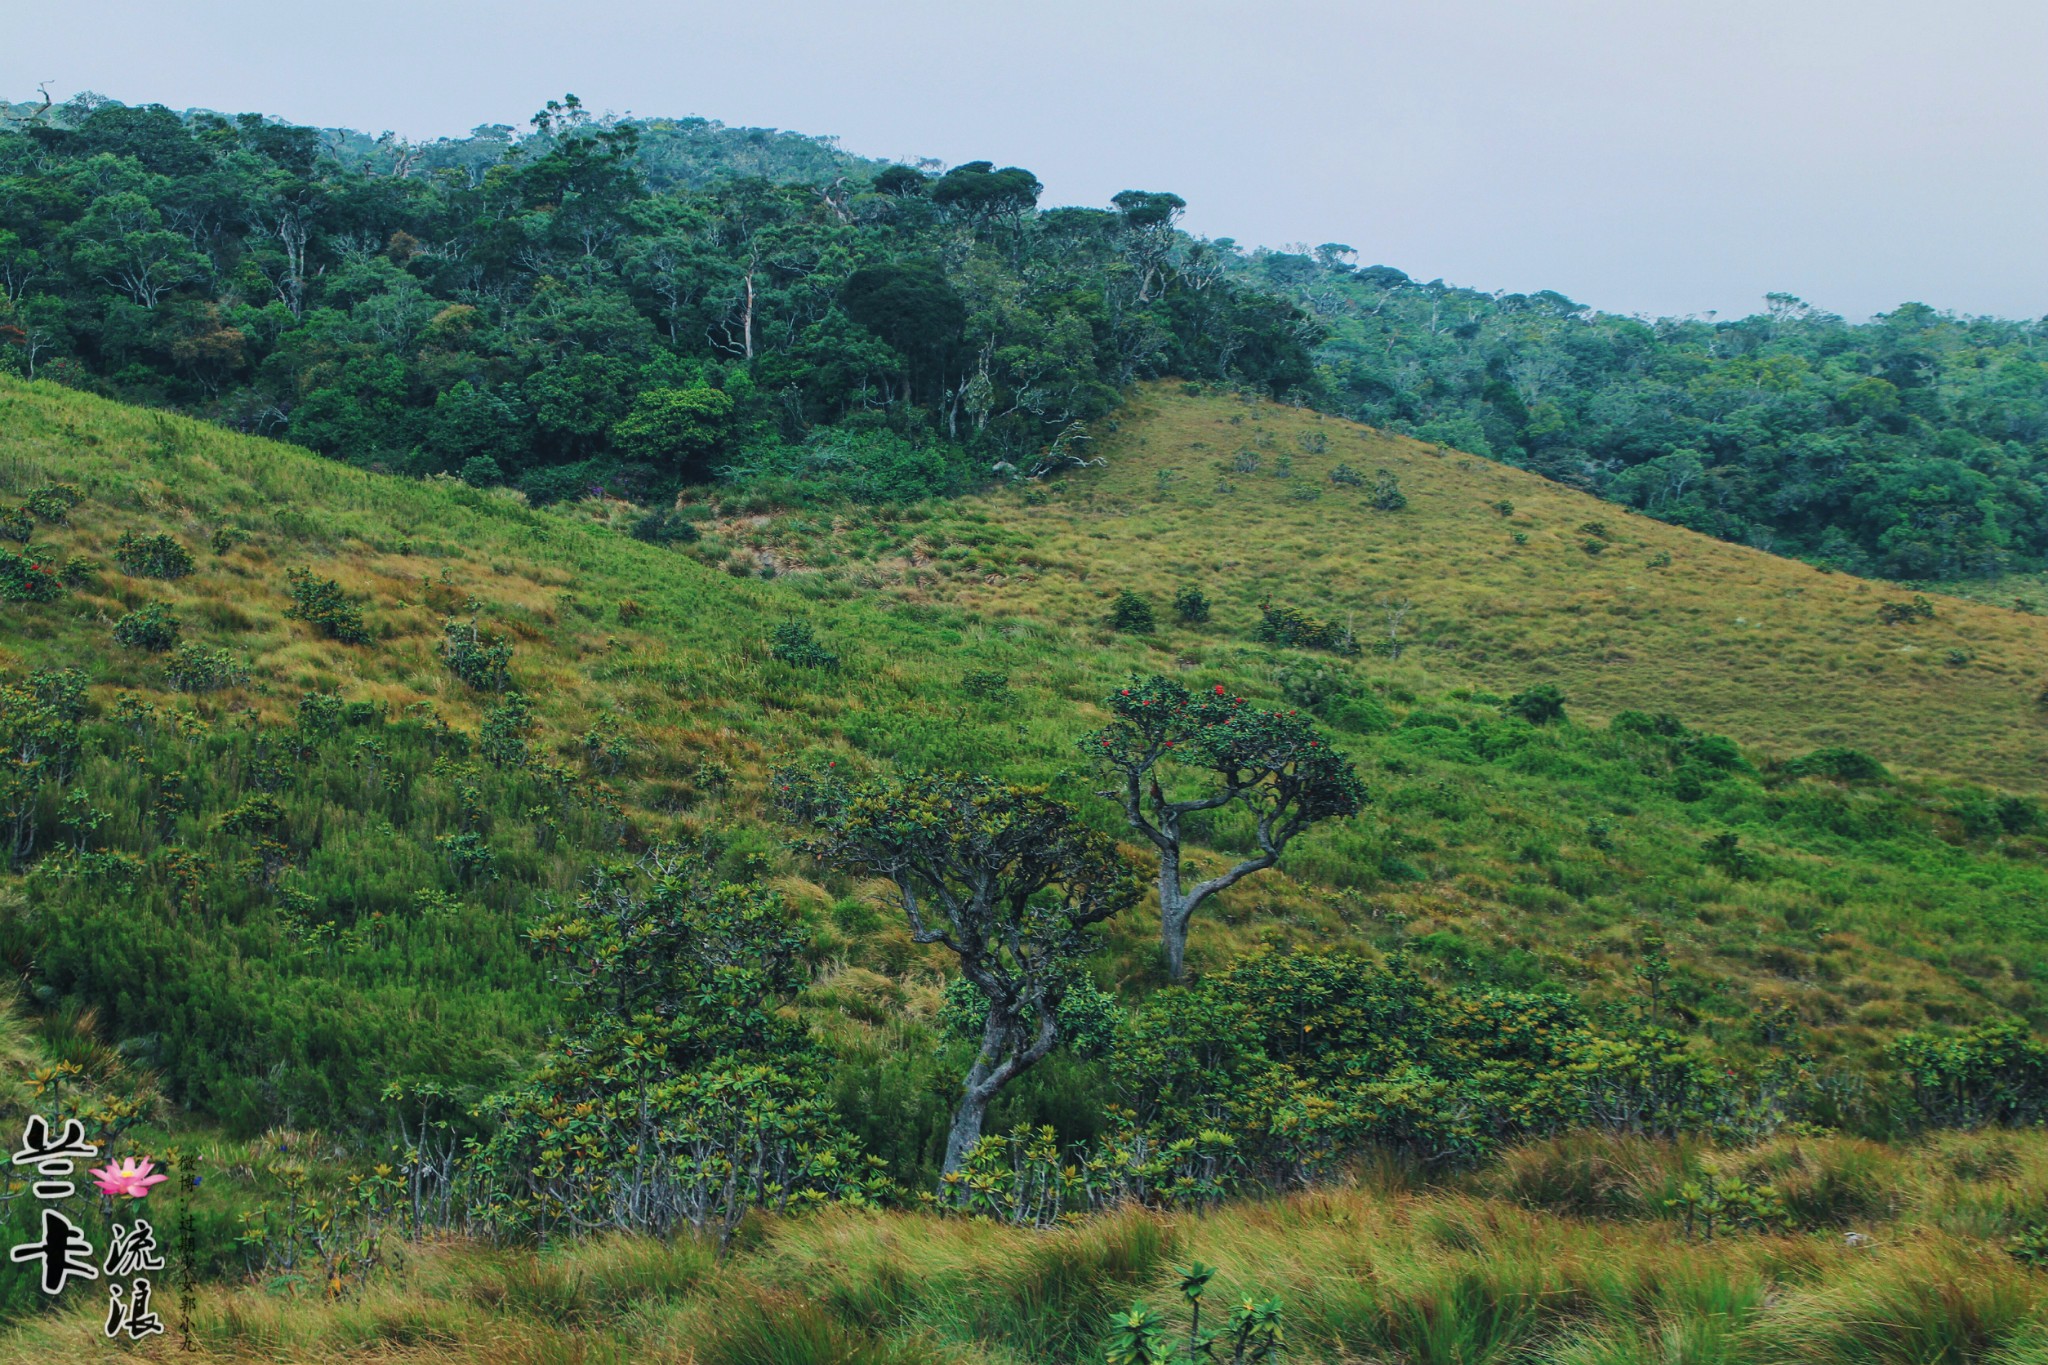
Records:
x=321, y=604
x=52, y=503
x=681, y=428
x=1280, y=624
x=1190, y=608
x=157, y=555
x=505, y=740
x=1902, y=613
x=752, y=305
x=985, y=684
x=1174, y=752
x=665, y=527
x=792, y=642
x=677, y=1094
x=481, y=471
x=834, y=464
x=1841, y=764
x=1992, y=1073
x=195, y=668
x=1005, y=878
x=17, y=524
x=476, y=656
x=40, y=749
x=1543, y=705
x=2029, y=1246
x=25, y=578
x=1386, y=491
x=1727, y=1203
x=152, y=626
x=1131, y=613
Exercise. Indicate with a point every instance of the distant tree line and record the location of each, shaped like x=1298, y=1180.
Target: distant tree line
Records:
x=636, y=304
x=1911, y=446
x=601, y=302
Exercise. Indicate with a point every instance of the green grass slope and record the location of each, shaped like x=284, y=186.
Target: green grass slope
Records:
x=279, y=964
x=1773, y=652
x=1867, y=907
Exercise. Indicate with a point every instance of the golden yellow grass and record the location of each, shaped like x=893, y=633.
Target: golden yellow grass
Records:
x=1770, y=651
x=1904, y=1261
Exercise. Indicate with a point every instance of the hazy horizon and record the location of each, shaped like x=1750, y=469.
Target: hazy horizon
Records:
x=1677, y=164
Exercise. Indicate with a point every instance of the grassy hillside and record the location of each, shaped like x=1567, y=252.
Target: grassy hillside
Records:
x=1545, y=1260
x=282, y=894
x=1773, y=652
x=1875, y=905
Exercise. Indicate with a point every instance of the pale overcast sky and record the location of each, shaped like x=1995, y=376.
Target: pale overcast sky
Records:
x=1658, y=156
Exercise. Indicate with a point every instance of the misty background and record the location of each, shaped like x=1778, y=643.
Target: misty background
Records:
x=1679, y=158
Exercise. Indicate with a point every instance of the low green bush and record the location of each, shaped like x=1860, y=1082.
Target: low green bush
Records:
x=792, y=642
x=1131, y=614
x=26, y=578
x=196, y=668
x=153, y=626
x=321, y=604
x=476, y=656
x=157, y=555
x=1280, y=624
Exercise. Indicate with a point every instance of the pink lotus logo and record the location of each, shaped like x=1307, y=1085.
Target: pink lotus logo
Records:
x=130, y=1177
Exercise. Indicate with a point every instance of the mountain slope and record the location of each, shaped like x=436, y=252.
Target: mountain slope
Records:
x=1774, y=652
x=1875, y=905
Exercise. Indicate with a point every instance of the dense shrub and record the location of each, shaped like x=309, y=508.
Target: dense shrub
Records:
x=1131, y=614
x=196, y=668
x=17, y=524
x=792, y=642
x=1664, y=725
x=321, y=604
x=476, y=656
x=862, y=466
x=157, y=555
x=1844, y=765
x=507, y=727
x=25, y=578
x=481, y=471
x=1538, y=705
x=984, y=685
x=1386, y=492
x=679, y=1095
x=153, y=627
x=1994, y=1073
x=1899, y=613
x=665, y=526
x=1190, y=607
x=53, y=502
x=1284, y=625
x=1345, y=475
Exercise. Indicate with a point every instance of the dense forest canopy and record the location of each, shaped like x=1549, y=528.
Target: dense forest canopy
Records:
x=1911, y=446
x=609, y=302
x=636, y=304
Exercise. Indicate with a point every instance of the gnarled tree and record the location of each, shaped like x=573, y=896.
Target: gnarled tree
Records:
x=1006, y=877
x=1176, y=752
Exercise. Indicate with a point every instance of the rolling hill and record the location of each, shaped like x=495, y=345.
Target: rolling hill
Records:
x=311, y=886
